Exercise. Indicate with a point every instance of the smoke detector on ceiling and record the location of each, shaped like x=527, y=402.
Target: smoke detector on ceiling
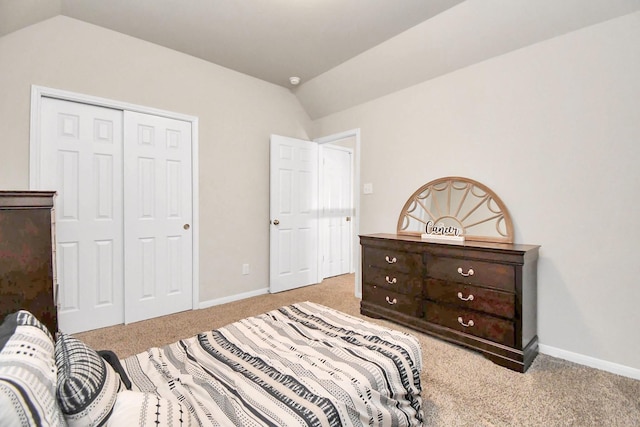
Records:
x=294, y=80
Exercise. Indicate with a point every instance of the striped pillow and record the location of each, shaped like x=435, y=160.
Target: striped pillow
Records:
x=87, y=386
x=27, y=373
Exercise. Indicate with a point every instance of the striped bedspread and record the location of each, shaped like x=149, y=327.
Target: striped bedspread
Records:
x=300, y=365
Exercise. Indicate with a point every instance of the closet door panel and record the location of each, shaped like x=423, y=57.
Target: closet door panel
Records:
x=81, y=159
x=158, y=215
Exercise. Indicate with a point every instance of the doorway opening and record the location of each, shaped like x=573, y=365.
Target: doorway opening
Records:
x=296, y=209
x=350, y=140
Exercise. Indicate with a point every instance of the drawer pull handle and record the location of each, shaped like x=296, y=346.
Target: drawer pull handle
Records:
x=392, y=301
x=466, y=325
x=467, y=274
x=391, y=260
x=469, y=298
x=390, y=281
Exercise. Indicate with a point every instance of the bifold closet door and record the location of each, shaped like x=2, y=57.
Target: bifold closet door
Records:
x=123, y=212
x=81, y=158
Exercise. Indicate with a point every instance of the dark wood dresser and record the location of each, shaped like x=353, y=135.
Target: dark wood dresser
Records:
x=478, y=294
x=26, y=255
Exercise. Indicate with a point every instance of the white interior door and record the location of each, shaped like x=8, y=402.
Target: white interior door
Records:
x=81, y=159
x=157, y=216
x=337, y=209
x=294, y=213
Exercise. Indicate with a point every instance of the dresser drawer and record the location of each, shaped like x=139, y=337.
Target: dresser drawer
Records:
x=407, y=304
x=471, y=322
x=494, y=275
x=393, y=280
x=486, y=300
x=393, y=260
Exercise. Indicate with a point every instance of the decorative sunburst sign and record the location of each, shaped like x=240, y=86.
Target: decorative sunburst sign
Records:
x=454, y=209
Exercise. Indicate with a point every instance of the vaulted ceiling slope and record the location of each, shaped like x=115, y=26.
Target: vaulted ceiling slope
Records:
x=268, y=39
x=468, y=33
x=345, y=51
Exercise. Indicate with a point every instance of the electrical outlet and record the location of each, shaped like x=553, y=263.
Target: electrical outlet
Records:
x=367, y=188
x=245, y=269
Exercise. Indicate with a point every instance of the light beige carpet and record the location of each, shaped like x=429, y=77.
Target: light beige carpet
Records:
x=460, y=387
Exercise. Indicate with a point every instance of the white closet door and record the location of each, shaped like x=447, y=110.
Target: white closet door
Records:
x=81, y=159
x=157, y=216
x=337, y=210
x=123, y=212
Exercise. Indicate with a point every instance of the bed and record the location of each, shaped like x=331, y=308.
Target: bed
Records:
x=301, y=365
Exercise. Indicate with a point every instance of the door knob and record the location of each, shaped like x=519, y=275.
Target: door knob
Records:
x=186, y=226
x=276, y=222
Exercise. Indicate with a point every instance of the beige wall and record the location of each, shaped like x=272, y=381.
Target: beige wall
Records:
x=554, y=130
x=237, y=113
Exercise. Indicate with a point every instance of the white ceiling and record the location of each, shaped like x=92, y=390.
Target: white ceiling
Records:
x=268, y=39
x=345, y=51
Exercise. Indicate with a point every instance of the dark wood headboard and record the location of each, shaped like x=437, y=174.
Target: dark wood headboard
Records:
x=26, y=255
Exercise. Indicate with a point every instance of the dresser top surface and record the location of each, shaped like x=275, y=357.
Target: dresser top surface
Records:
x=509, y=247
x=26, y=199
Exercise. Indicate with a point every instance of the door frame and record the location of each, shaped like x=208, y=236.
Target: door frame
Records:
x=39, y=92
x=353, y=133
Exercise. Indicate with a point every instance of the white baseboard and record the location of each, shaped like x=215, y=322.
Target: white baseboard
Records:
x=592, y=362
x=232, y=298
